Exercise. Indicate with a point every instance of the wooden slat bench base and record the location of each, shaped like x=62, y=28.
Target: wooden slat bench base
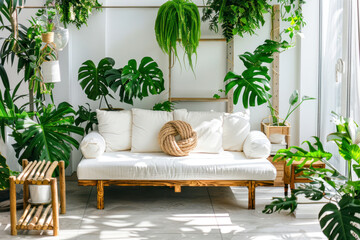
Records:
x=176, y=184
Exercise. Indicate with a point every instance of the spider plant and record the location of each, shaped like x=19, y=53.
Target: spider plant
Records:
x=178, y=20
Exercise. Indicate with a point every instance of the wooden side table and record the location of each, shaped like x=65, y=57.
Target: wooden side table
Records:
x=43, y=216
x=292, y=178
x=280, y=172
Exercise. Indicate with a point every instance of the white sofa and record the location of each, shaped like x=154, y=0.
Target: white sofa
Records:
x=125, y=152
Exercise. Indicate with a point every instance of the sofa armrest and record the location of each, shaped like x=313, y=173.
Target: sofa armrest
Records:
x=92, y=145
x=257, y=145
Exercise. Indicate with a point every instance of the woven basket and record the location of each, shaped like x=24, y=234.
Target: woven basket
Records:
x=47, y=37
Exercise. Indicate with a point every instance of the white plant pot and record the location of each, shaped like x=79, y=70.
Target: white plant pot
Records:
x=40, y=194
x=277, y=138
x=51, y=71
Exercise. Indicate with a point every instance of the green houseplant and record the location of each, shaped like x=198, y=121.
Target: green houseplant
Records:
x=74, y=12
x=235, y=17
x=338, y=218
x=131, y=82
x=178, y=20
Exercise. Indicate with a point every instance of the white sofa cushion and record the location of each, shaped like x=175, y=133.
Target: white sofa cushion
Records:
x=208, y=126
x=236, y=128
x=257, y=145
x=93, y=145
x=145, y=129
x=115, y=127
x=160, y=166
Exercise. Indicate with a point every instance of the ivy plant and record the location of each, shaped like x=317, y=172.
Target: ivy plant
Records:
x=178, y=20
x=291, y=12
x=338, y=218
x=235, y=17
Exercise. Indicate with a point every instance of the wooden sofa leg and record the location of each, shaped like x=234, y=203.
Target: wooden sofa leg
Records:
x=100, y=194
x=251, y=187
x=286, y=189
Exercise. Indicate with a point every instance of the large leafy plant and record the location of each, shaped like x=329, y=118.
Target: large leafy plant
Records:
x=178, y=20
x=74, y=12
x=5, y=173
x=339, y=218
x=47, y=135
x=235, y=17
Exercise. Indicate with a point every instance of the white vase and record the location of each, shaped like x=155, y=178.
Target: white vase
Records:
x=40, y=194
x=51, y=72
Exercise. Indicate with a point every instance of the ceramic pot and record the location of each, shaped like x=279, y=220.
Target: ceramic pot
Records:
x=51, y=71
x=277, y=138
x=40, y=194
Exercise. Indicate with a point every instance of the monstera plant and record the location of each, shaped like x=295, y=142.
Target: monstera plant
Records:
x=46, y=136
x=340, y=217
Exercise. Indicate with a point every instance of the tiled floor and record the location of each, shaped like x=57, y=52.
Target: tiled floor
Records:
x=160, y=213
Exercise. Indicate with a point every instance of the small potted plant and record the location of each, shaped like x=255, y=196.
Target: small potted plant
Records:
x=47, y=23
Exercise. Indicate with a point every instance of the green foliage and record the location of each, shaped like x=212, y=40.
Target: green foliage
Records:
x=136, y=82
x=48, y=137
x=235, y=17
x=74, y=12
x=166, y=106
x=337, y=220
x=291, y=12
x=339, y=217
x=92, y=78
x=254, y=82
x=5, y=173
x=278, y=204
x=86, y=115
x=294, y=104
x=316, y=153
x=178, y=20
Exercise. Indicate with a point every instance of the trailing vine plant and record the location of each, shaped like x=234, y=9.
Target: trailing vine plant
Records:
x=235, y=17
x=178, y=20
x=74, y=12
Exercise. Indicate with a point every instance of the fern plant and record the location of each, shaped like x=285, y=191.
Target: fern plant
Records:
x=178, y=20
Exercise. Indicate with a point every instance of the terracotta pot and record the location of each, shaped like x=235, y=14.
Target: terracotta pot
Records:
x=47, y=37
x=51, y=72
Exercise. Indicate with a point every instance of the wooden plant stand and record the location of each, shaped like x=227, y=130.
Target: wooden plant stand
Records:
x=38, y=217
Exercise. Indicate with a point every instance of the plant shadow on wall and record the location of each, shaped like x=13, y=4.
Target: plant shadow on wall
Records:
x=130, y=82
x=340, y=218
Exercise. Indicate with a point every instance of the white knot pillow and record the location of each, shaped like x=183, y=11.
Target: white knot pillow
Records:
x=93, y=145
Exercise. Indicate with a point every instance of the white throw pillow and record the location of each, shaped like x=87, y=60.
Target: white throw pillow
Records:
x=115, y=127
x=236, y=128
x=208, y=126
x=92, y=145
x=257, y=145
x=146, y=126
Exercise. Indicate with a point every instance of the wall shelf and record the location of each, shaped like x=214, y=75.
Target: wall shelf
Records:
x=198, y=100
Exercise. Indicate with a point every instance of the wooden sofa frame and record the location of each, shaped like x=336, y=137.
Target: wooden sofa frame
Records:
x=176, y=184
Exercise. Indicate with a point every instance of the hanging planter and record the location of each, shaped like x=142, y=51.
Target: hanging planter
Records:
x=61, y=38
x=48, y=37
x=51, y=71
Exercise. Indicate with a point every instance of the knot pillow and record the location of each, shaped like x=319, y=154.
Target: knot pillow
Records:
x=168, y=142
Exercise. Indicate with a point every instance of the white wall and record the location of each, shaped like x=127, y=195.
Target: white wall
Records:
x=129, y=33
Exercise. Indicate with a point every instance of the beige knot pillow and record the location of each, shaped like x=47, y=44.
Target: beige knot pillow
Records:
x=182, y=147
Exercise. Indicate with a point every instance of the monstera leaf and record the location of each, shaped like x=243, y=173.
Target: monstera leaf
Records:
x=340, y=221
x=92, y=78
x=48, y=138
x=136, y=82
x=256, y=84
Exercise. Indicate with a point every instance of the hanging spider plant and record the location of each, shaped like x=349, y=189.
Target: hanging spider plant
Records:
x=178, y=20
